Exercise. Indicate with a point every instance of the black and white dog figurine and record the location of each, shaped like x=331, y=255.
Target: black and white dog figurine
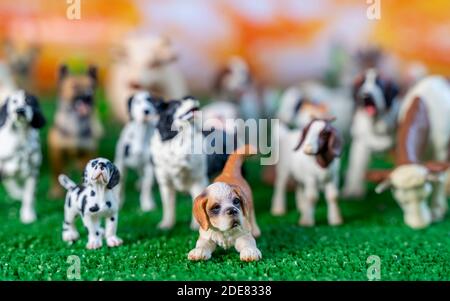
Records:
x=20, y=154
x=373, y=126
x=133, y=151
x=178, y=155
x=93, y=200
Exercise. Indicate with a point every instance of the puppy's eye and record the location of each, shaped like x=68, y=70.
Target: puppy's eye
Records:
x=215, y=209
x=236, y=201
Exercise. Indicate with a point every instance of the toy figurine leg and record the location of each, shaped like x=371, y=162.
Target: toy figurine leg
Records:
x=439, y=205
x=246, y=246
x=358, y=163
x=27, y=213
x=307, y=206
x=95, y=232
x=334, y=212
x=112, y=240
x=70, y=232
x=195, y=191
x=13, y=189
x=203, y=250
x=168, y=206
x=146, y=197
x=279, y=197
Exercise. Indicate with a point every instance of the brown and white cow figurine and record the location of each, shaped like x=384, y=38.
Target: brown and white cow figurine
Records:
x=424, y=128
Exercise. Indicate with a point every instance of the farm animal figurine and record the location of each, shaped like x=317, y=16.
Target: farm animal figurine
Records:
x=226, y=213
x=423, y=129
x=92, y=200
x=133, y=147
x=143, y=62
x=372, y=128
x=179, y=157
x=21, y=57
x=314, y=164
x=76, y=130
x=20, y=154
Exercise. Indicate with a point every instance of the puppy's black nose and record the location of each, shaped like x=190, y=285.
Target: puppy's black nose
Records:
x=146, y=111
x=102, y=166
x=20, y=112
x=94, y=208
x=232, y=211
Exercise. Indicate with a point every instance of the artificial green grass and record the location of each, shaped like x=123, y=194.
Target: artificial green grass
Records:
x=373, y=226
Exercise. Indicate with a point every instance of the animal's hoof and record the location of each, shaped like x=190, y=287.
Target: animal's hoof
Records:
x=250, y=254
x=94, y=244
x=199, y=254
x=165, y=225
x=70, y=236
x=278, y=211
x=27, y=216
x=306, y=222
x=148, y=206
x=113, y=241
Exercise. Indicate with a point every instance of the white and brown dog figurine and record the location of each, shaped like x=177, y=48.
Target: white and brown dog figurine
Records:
x=20, y=154
x=314, y=164
x=373, y=126
x=422, y=153
x=133, y=151
x=226, y=214
x=93, y=200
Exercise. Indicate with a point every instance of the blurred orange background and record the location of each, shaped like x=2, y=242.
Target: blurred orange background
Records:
x=283, y=40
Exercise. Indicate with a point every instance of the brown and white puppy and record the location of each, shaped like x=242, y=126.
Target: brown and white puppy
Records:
x=76, y=130
x=373, y=126
x=226, y=214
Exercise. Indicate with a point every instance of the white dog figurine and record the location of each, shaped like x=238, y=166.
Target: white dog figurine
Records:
x=20, y=154
x=133, y=151
x=314, y=164
x=93, y=200
x=372, y=128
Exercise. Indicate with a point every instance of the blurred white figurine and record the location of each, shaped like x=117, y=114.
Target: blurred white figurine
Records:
x=20, y=154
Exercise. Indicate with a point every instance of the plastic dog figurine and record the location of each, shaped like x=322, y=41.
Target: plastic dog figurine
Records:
x=226, y=214
x=75, y=133
x=372, y=128
x=313, y=163
x=93, y=200
x=133, y=151
x=20, y=154
x=423, y=126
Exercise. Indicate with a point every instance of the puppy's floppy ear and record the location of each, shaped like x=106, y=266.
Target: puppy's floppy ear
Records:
x=92, y=72
x=129, y=104
x=114, y=177
x=199, y=210
x=335, y=142
x=4, y=112
x=390, y=91
x=243, y=198
x=63, y=71
x=38, y=120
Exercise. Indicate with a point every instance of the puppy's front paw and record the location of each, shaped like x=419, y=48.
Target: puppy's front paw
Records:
x=250, y=254
x=113, y=241
x=166, y=225
x=70, y=236
x=27, y=216
x=199, y=254
x=94, y=244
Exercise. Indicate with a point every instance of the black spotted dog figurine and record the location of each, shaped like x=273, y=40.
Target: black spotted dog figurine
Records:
x=133, y=151
x=93, y=200
x=20, y=154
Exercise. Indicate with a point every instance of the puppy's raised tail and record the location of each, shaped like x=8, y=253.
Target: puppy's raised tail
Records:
x=65, y=182
x=233, y=166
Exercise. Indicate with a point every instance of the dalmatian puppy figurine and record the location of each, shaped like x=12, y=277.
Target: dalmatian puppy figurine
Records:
x=133, y=151
x=93, y=200
x=20, y=154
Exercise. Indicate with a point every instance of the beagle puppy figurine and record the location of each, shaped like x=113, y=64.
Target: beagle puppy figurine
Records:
x=93, y=200
x=226, y=214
